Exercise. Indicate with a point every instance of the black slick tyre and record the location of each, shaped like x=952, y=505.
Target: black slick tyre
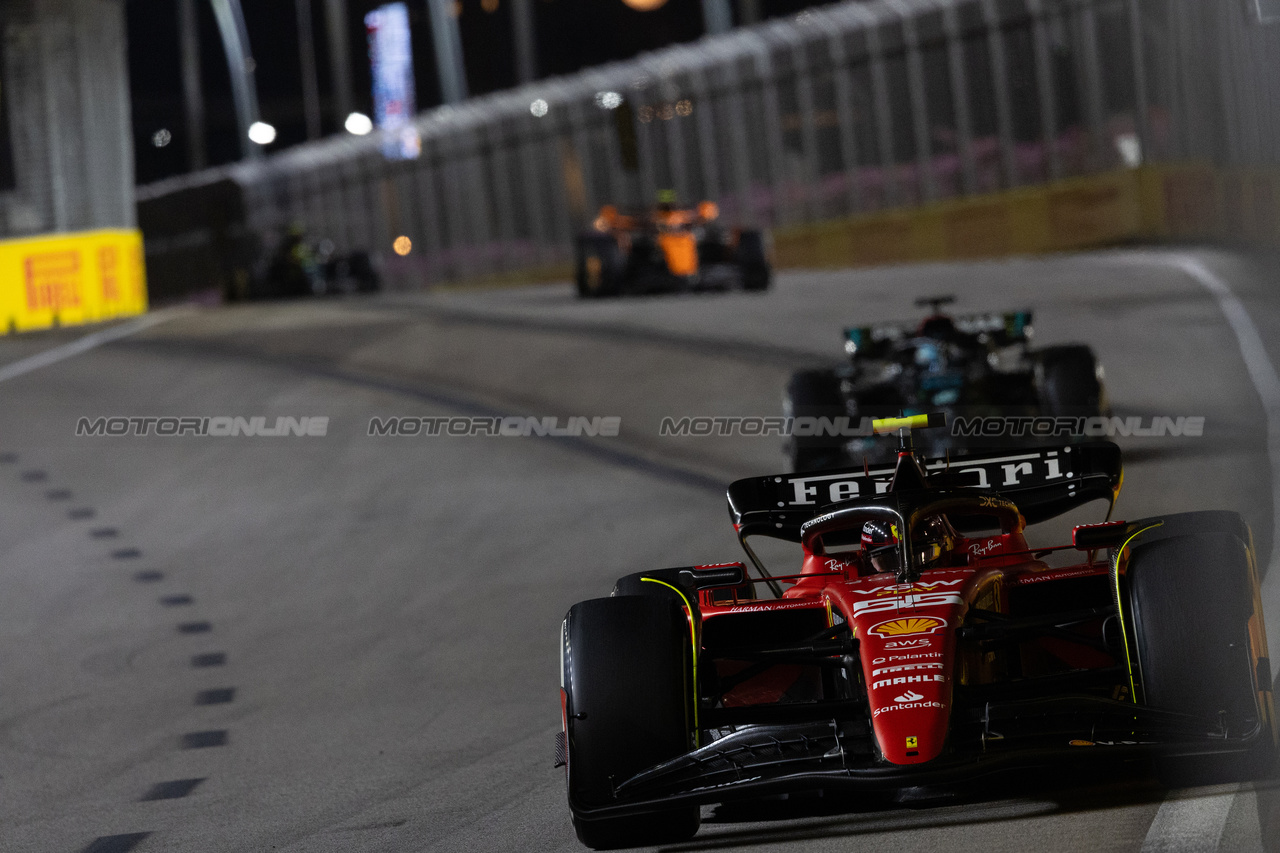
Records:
x=1069, y=383
x=814, y=394
x=1190, y=600
x=753, y=262
x=627, y=679
x=598, y=266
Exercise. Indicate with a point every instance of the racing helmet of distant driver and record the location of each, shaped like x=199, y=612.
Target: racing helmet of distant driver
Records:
x=933, y=542
x=880, y=543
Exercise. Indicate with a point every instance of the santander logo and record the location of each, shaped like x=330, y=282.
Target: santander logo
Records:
x=909, y=696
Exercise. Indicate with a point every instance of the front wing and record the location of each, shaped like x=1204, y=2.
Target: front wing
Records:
x=775, y=758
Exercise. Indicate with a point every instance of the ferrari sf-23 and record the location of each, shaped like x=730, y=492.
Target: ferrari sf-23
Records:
x=921, y=643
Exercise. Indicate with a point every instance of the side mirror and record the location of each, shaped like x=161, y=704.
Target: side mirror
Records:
x=1091, y=537
x=713, y=575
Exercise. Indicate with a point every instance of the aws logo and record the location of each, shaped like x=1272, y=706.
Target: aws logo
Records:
x=909, y=644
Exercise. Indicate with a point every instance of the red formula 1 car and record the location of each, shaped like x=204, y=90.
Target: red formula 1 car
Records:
x=922, y=642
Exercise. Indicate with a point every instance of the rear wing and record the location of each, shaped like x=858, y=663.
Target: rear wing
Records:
x=1042, y=482
x=1008, y=328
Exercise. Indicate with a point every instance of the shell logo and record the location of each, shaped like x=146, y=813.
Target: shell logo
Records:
x=909, y=625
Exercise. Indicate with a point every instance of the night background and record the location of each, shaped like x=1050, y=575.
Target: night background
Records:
x=571, y=34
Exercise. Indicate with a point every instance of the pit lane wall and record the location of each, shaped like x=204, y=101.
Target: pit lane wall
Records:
x=69, y=279
x=1178, y=202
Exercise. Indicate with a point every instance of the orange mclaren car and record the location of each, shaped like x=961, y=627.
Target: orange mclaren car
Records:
x=668, y=248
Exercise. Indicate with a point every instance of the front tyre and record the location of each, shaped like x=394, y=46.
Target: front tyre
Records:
x=627, y=681
x=1193, y=603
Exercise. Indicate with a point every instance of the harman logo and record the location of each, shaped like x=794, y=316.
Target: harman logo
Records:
x=908, y=625
x=909, y=696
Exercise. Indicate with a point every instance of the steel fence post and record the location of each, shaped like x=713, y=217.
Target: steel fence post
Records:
x=1000, y=85
x=884, y=116
x=1045, y=89
x=1141, y=98
x=960, y=98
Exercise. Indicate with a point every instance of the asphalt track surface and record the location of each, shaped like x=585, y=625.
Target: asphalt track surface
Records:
x=348, y=642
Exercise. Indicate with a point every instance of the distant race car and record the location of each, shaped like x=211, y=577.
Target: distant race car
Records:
x=300, y=266
x=922, y=643
x=666, y=249
x=970, y=365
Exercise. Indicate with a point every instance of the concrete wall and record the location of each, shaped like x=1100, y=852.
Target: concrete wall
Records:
x=65, y=86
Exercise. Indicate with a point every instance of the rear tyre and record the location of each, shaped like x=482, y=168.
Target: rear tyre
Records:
x=1190, y=600
x=627, y=681
x=814, y=394
x=1069, y=381
x=598, y=267
x=753, y=261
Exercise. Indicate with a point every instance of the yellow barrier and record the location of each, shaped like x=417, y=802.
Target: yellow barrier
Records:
x=1168, y=202
x=68, y=279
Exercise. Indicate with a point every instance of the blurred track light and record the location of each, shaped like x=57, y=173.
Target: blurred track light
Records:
x=359, y=124
x=608, y=100
x=262, y=133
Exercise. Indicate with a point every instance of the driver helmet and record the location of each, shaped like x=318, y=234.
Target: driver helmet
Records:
x=880, y=542
x=929, y=355
x=933, y=541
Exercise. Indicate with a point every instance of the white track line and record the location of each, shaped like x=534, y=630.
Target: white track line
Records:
x=1192, y=825
x=1197, y=824
x=88, y=342
x=1261, y=371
